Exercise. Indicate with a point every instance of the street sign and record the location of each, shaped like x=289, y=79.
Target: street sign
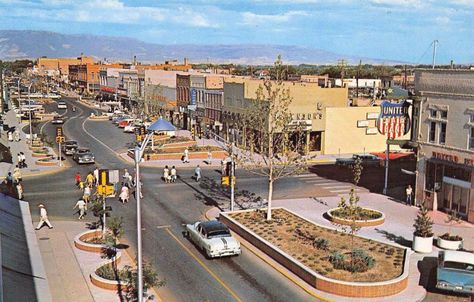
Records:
x=105, y=190
x=60, y=139
x=225, y=180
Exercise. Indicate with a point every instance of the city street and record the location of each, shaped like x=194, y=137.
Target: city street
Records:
x=165, y=207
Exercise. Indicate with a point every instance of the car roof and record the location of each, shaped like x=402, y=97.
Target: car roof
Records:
x=70, y=142
x=83, y=150
x=213, y=225
x=459, y=256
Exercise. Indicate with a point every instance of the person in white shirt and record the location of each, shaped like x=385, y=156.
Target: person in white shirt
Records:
x=19, y=190
x=96, y=176
x=186, y=156
x=409, y=192
x=173, y=174
x=81, y=205
x=43, y=218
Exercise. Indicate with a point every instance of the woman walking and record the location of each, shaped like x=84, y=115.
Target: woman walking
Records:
x=124, y=193
x=166, y=174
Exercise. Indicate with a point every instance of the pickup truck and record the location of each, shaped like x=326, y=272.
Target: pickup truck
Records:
x=455, y=271
x=368, y=160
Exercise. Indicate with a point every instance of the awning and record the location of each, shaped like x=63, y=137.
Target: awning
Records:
x=393, y=155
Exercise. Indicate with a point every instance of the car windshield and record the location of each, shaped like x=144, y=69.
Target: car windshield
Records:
x=459, y=265
x=218, y=234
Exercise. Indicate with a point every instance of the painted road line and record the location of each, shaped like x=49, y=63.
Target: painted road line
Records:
x=345, y=190
x=163, y=226
x=100, y=142
x=320, y=184
x=221, y=282
x=307, y=175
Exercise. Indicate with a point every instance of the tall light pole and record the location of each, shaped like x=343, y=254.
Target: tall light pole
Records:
x=29, y=105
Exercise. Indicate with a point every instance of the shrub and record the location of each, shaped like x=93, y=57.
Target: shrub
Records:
x=321, y=244
x=359, y=261
x=423, y=223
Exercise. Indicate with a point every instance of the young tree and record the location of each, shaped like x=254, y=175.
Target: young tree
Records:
x=273, y=141
x=150, y=279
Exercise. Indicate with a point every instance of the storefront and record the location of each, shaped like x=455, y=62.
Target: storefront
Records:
x=448, y=182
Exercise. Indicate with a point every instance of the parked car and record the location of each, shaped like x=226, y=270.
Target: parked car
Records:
x=130, y=128
x=118, y=119
x=368, y=160
x=57, y=120
x=214, y=238
x=69, y=147
x=62, y=105
x=125, y=122
x=83, y=156
x=455, y=271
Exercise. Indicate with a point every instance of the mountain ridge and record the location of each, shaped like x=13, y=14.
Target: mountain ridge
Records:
x=31, y=44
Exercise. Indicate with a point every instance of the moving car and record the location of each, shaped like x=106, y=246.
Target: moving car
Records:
x=83, y=156
x=57, y=120
x=69, y=147
x=368, y=160
x=455, y=271
x=130, y=128
x=214, y=238
x=62, y=105
x=125, y=122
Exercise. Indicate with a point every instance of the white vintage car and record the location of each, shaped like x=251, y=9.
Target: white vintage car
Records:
x=214, y=238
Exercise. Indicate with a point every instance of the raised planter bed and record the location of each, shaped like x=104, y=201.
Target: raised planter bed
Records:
x=42, y=154
x=79, y=241
x=332, y=214
x=450, y=244
x=177, y=156
x=47, y=161
x=107, y=283
x=280, y=240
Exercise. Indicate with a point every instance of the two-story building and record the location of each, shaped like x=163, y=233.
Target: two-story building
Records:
x=443, y=127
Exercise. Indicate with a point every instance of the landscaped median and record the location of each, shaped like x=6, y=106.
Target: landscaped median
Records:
x=327, y=259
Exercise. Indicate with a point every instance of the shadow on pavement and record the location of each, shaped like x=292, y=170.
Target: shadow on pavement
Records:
x=395, y=238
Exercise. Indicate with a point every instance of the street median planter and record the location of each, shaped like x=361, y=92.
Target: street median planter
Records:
x=177, y=156
x=106, y=283
x=282, y=239
x=374, y=218
x=79, y=241
x=47, y=161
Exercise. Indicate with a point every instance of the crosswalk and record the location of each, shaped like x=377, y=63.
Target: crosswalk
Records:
x=332, y=186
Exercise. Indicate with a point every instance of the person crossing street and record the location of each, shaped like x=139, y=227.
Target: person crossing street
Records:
x=197, y=173
x=90, y=179
x=43, y=218
x=81, y=205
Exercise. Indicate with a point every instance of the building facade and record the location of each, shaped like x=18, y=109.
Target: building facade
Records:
x=60, y=66
x=183, y=87
x=443, y=127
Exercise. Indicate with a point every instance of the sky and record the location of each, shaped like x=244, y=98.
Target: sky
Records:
x=401, y=30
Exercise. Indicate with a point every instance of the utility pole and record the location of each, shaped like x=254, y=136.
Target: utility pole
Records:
x=405, y=82
x=435, y=43
x=357, y=78
x=232, y=172
x=342, y=65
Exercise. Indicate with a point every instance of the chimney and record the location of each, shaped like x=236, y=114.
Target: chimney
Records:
x=186, y=61
x=134, y=60
x=452, y=64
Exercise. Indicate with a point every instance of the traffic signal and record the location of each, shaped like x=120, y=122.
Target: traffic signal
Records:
x=59, y=131
x=193, y=134
x=142, y=130
x=225, y=180
x=228, y=168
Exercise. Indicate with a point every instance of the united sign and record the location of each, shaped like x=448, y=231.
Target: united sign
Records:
x=394, y=120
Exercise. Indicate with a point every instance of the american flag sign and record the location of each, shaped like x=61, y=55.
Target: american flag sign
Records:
x=394, y=120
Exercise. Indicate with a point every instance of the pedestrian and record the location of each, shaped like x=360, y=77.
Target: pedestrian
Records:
x=166, y=174
x=96, y=176
x=90, y=179
x=43, y=218
x=10, y=136
x=186, y=156
x=77, y=178
x=17, y=135
x=81, y=205
x=223, y=166
x=87, y=194
x=124, y=193
x=19, y=191
x=19, y=159
x=197, y=173
x=9, y=179
x=17, y=177
x=23, y=160
x=81, y=185
x=173, y=174
x=409, y=192
x=209, y=157
x=127, y=178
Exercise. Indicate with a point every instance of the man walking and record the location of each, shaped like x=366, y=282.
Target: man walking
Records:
x=197, y=173
x=81, y=205
x=19, y=191
x=186, y=156
x=43, y=218
x=409, y=192
x=96, y=176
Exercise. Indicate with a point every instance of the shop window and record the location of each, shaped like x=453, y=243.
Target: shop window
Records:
x=432, y=132
x=471, y=138
x=442, y=133
x=430, y=176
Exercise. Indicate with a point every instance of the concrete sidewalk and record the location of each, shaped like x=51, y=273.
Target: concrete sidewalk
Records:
x=22, y=146
x=396, y=230
x=68, y=269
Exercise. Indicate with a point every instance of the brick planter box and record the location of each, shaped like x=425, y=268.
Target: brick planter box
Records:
x=47, y=161
x=106, y=283
x=89, y=247
x=360, y=223
x=320, y=282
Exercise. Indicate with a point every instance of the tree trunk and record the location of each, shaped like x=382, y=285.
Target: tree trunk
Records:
x=270, y=196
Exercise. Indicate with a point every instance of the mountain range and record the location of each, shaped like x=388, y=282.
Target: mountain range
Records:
x=30, y=44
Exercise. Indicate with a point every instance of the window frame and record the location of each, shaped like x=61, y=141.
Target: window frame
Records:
x=431, y=125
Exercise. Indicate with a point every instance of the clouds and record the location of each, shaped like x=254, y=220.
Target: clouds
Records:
x=392, y=29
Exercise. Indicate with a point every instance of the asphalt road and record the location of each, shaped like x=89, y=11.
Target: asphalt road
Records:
x=188, y=274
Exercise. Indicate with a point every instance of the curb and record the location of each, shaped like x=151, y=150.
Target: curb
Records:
x=257, y=253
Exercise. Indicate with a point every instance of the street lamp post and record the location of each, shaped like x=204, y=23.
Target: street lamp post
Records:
x=29, y=105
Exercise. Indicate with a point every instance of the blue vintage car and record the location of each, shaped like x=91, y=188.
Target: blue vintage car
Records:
x=455, y=271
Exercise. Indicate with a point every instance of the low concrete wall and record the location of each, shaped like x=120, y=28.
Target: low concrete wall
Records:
x=338, y=287
x=106, y=283
x=88, y=247
x=359, y=223
x=178, y=156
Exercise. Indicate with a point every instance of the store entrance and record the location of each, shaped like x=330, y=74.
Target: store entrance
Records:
x=455, y=195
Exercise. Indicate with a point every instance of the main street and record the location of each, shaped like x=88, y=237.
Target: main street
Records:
x=189, y=275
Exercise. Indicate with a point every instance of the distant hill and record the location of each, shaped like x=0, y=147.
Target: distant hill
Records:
x=21, y=44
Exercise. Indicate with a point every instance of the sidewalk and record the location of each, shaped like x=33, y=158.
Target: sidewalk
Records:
x=68, y=269
x=396, y=230
x=22, y=146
